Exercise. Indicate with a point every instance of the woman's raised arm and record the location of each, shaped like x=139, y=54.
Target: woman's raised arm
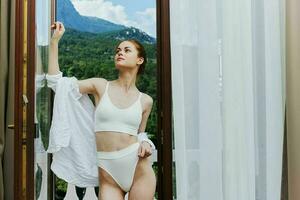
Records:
x=88, y=86
x=53, y=66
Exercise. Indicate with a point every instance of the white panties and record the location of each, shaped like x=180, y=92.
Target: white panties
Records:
x=120, y=164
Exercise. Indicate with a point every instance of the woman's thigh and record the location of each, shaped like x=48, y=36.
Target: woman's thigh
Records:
x=144, y=182
x=108, y=188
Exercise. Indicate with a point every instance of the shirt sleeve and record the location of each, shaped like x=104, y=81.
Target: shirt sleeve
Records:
x=75, y=88
x=53, y=79
x=144, y=137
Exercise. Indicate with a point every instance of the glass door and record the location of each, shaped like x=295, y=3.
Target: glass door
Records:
x=43, y=107
x=73, y=54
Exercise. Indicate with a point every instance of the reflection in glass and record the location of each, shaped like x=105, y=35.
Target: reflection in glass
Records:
x=42, y=104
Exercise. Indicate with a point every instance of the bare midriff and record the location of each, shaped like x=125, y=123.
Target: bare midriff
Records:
x=113, y=141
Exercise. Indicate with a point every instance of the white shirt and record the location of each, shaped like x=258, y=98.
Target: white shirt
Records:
x=72, y=138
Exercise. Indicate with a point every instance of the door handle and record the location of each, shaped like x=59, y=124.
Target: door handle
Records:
x=11, y=126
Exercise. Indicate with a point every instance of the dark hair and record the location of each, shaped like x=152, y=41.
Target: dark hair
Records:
x=141, y=53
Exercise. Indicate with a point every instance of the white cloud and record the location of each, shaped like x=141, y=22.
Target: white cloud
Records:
x=102, y=9
x=148, y=12
x=147, y=20
x=144, y=20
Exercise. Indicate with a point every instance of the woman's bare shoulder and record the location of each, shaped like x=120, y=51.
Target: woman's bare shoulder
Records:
x=100, y=84
x=147, y=97
x=147, y=101
x=91, y=85
x=100, y=80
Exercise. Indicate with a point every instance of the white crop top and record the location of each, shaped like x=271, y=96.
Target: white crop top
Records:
x=108, y=117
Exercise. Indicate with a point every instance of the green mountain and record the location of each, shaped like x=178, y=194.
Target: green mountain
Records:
x=67, y=14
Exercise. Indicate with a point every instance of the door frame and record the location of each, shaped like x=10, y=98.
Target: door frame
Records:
x=24, y=100
x=164, y=88
x=25, y=85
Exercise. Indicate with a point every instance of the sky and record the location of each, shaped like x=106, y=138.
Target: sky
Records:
x=138, y=13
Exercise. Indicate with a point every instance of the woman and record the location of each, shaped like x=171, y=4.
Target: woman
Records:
x=121, y=113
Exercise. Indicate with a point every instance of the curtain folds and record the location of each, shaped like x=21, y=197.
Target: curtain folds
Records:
x=196, y=99
x=228, y=69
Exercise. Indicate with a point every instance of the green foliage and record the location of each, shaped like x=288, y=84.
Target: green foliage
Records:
x=61, y=185
x=38, y=182
x=43, y=108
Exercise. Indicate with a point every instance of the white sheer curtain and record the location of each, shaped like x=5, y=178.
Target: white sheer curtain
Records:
x=228, y=70
x=196, y=102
